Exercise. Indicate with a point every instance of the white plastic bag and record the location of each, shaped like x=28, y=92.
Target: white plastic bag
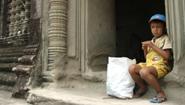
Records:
x=119, y=82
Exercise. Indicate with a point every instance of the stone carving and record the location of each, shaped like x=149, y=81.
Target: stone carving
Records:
x=18, y=24
x=8, y=60
x=27, y=69
x=17, y=16
x=24, y=71
x=58, y=71
x=16, y=64
x=57, y=29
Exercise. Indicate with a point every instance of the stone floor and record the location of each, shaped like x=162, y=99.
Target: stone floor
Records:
x=94, y=96
x=81, y=97
x=91, y=96
x=6, y=99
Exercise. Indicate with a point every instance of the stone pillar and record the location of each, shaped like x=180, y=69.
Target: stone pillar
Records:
x=175, y=10
x=57, y=29
x=175, y=25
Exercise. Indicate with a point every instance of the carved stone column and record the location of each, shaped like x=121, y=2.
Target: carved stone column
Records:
x=12, y=18
x=57, y=29
x=17, y=16
x=27, y=15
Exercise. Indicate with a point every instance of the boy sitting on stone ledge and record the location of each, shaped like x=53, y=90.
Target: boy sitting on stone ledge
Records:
x=157, y=53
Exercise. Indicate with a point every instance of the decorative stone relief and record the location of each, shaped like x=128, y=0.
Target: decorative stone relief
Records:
x=27, y=68
x=15, y=63
x=17, y=24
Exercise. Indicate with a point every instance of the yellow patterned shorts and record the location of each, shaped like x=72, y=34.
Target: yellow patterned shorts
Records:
x=161, y=69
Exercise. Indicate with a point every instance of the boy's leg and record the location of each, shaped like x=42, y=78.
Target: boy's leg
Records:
x=149, y=74
x=134, y=72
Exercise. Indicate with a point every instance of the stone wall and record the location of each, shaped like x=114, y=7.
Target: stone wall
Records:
x=91, y=38
x=100, y=37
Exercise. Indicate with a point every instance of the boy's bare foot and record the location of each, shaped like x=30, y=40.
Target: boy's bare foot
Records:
x=140, y=92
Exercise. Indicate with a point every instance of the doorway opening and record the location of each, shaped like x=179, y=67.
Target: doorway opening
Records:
x=132, y=25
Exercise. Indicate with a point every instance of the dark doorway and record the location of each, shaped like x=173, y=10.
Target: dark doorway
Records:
x=132, y=25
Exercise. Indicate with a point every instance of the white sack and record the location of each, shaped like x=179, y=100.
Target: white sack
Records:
x=119, y=82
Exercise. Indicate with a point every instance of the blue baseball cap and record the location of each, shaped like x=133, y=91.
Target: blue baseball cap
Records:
x=158, y=17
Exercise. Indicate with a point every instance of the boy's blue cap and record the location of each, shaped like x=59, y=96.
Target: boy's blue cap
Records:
x=158, y=17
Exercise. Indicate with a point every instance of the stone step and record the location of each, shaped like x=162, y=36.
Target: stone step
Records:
x=8, y=78
x=9, y=59
x=23, y=68
x=10, y=54
x=27, y=59
x=7, y=66
x=30, y=51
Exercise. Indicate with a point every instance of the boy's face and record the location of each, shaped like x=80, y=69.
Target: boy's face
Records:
x=157, y=29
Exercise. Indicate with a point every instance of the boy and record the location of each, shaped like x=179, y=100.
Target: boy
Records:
x=157, y=53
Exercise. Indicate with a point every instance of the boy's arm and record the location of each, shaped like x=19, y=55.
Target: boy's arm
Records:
x=145, y=50
x=164, y=53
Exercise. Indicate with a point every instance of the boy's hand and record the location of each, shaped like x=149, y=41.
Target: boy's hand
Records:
x=144, y=48
x=147, y=44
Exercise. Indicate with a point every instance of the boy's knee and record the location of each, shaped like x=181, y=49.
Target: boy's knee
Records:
x=132, y=68
x=143, y=73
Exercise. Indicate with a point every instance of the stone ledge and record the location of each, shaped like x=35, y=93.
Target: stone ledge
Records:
x=93, y=93
x=33, y=99
x=4, y=87
x=27, y=58
x=39, y=100
x=55, y=103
